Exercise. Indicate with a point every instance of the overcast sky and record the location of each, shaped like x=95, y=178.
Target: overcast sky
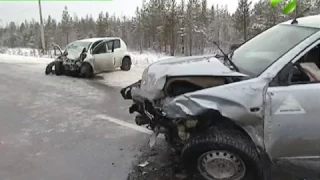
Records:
x=19, y=11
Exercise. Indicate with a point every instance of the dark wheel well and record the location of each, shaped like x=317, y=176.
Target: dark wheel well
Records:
x=177, y=88
x=215, y=120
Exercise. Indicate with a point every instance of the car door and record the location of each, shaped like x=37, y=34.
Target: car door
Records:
x=103, y=57
x=292, y=134
x=118, y=52
x=112, y=49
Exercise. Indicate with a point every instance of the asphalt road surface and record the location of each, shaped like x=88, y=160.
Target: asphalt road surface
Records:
x=72, y=129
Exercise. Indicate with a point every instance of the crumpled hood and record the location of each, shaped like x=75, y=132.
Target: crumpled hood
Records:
x=154, y=76
x=194, y=65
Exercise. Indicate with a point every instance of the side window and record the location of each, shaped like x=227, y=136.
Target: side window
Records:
x=109, y=43
x=102, y=48
x=95, y=44
x=305, y=70
x=116, y=43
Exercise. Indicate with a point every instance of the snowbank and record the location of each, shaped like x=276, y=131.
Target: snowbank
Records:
x=116, y=78
x=24, y=59
x=143, y=60
x=25, y=52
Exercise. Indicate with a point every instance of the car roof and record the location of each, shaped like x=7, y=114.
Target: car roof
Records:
x=97, y=39
x=308, y=21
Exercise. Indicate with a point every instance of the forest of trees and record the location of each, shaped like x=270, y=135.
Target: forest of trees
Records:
x=175, y=27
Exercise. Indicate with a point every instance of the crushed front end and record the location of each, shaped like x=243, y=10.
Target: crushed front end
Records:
x=68, y=63
x=184, y=96
x=72, y=65
x=150, y=114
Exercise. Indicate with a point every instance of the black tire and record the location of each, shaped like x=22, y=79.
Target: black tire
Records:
x=59, y=68
x=126, y=64
x=86, y=71
x=49, y=68
x=232, y=141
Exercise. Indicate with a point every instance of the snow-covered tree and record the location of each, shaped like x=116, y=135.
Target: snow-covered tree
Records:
x=66, y=23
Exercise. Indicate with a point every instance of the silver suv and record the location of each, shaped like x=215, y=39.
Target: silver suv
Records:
x=235, y=116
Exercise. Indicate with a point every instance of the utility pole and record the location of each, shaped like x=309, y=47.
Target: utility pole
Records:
x=41, y=28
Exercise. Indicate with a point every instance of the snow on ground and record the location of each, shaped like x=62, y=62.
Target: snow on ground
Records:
x=24, y=59
x=139, y=63
x=116, y=78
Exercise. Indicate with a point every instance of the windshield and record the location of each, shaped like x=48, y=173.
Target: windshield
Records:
x=256, y=55
x=78, y=46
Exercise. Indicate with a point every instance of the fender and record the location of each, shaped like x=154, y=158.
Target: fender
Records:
x=242, y=102
x=126, y=54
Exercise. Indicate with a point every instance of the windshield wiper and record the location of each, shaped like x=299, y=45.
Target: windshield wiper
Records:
x=226, y=57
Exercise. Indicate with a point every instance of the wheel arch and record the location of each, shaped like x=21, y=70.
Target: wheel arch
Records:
x=91, y=64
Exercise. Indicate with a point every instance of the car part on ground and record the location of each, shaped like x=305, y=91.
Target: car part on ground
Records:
x=88, y=57
x=238, y=124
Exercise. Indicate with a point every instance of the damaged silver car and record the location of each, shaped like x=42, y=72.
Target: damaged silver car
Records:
x=238, y=115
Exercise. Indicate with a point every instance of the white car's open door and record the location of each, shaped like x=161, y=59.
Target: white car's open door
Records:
x=103, y=57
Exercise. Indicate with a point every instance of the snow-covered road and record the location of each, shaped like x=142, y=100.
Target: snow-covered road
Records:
x=59, y=127
x=50, y=127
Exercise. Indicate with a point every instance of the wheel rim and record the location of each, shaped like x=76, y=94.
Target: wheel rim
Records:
x=221, y=165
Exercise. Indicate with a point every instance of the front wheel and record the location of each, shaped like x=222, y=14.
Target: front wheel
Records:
x=86, y=71
x=59, y=69
x=49, y=67
x=223, y=155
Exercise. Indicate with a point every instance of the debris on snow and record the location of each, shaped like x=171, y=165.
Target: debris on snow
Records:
x=144, y=164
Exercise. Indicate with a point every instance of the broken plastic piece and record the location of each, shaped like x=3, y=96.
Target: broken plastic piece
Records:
x=143, y=164
x=152, y=139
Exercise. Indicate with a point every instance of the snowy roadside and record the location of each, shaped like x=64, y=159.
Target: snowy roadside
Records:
x=115, y=78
